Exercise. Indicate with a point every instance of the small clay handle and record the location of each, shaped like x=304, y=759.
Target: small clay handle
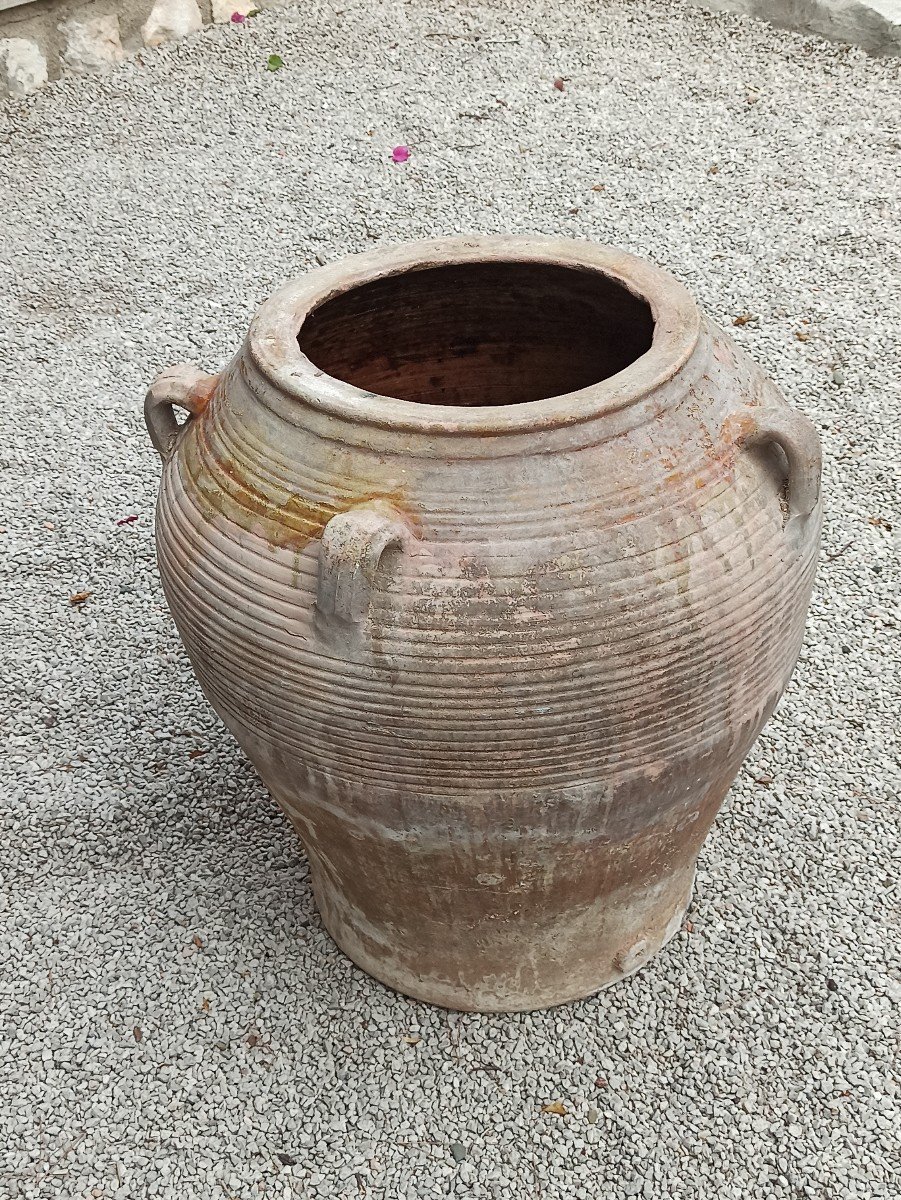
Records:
x=352, y=545
x=798, y=437
x=183, y=386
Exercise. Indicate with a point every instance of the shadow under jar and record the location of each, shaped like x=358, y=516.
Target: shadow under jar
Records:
x=494, y=555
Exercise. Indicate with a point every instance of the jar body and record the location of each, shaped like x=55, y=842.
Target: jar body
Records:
x=503, y=736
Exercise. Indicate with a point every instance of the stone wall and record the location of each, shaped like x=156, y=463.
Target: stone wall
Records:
x=874, y=25
x=42, y=39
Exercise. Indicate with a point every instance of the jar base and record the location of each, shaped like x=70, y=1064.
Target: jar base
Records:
x=660, y=911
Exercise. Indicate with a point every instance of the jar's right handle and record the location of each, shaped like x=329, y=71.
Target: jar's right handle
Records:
x=799, y=439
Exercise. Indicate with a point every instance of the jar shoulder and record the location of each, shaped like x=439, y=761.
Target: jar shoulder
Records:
x=244, y=464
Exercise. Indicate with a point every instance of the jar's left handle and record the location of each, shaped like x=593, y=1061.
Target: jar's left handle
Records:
x=182, y=386
x=352, y=546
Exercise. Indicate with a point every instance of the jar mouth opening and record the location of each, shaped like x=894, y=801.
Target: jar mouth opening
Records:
x=477, y=335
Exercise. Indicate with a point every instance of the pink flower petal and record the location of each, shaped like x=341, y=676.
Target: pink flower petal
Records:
x=128, y=520
x=400, y=154
x=238, y=18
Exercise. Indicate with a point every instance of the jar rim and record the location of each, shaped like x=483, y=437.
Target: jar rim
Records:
x=274, y=347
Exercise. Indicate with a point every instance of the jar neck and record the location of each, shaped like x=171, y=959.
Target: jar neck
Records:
x=391, y=336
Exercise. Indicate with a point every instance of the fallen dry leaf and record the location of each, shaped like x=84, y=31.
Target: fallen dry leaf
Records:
x=252, y=1039
x=205, y=1005
x=881, y=523
x=745, y=318
x=79, y=597
x=198, y=941
x=138, y=1033
x=801, y=335
x=412, y=1039
x=599, y=187
x=554, y=1107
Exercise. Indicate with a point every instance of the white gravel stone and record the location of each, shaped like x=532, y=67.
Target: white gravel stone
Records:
x=91, y=45
x=170, y=21
x=23, y=69
x=149, y=883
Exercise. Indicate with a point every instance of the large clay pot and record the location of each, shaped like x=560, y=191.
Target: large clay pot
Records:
x=494, y=555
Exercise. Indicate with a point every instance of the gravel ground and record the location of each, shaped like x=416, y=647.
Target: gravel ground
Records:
x=174, y=1021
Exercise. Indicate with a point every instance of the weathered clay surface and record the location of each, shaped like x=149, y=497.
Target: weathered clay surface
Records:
x=499, y=644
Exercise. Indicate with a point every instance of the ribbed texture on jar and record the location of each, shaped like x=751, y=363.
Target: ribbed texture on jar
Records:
x=529, y=640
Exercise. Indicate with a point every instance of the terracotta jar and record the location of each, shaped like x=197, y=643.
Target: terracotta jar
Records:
x=494, y=555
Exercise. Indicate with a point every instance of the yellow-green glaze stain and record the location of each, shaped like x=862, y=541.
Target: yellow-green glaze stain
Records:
x=226, y=487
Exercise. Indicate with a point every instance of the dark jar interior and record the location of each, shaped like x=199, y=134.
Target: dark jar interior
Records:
x=479, y=333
